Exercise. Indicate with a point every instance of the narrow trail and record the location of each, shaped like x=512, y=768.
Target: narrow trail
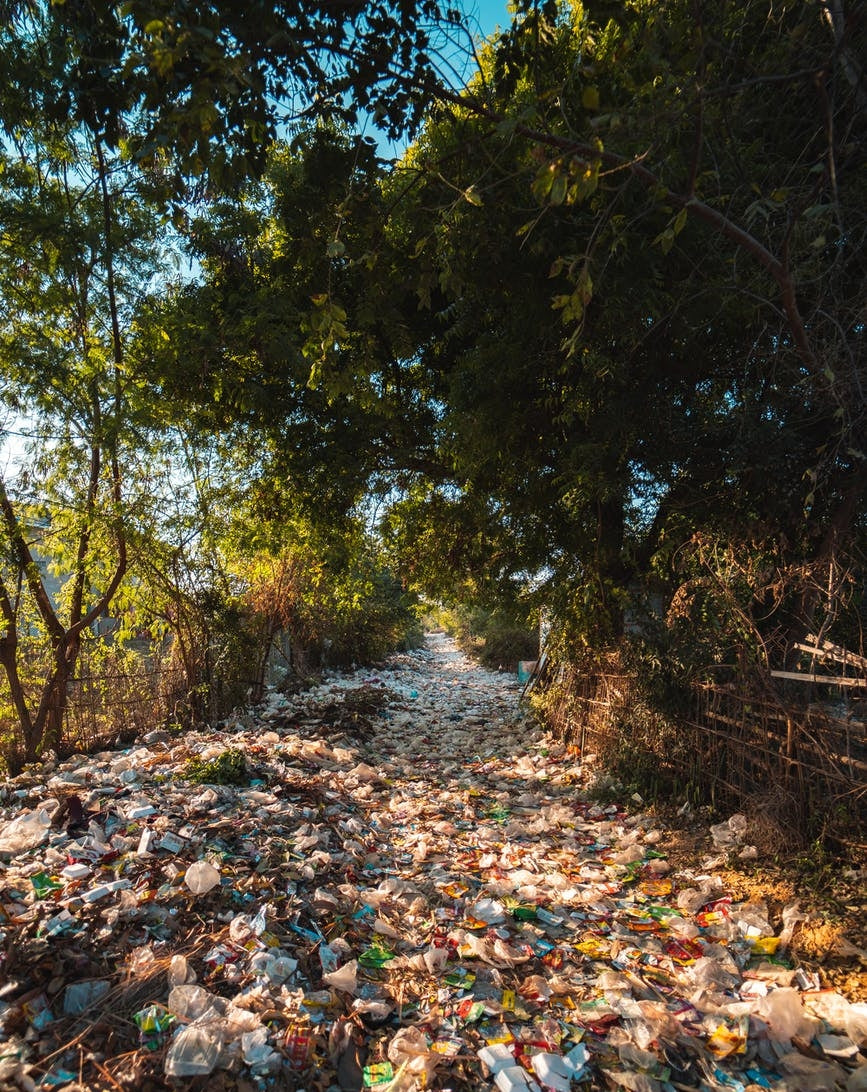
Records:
x=407, y=887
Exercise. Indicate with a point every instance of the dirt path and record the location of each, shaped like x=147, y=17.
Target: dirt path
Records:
x=408, y=887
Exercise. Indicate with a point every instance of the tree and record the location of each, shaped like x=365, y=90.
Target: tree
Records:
x=233, y=578
x=747, y=127
x=708, y=274
x=201, y=92
x=79, y=251
x=302, y=330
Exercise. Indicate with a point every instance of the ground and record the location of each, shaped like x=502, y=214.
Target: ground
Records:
x=398, y=880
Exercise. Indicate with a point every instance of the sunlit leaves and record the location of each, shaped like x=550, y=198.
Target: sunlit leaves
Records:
x=566, y=181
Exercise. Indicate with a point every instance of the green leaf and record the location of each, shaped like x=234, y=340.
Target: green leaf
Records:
x=590, y=98
x=544, y=180
x=665, y=240
x=558, y=190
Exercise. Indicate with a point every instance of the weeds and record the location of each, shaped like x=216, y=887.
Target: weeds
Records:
x=228, y=768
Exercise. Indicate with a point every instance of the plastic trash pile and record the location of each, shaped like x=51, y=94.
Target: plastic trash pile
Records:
x=397, y=882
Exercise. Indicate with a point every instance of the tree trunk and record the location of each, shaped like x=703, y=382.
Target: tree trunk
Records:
x=271, y=629
x=610, y=567
x=47, y=728
x=9, y=662
x=834, y=540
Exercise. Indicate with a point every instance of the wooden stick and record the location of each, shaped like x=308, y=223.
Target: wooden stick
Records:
x=832, y=651
x=831, y=680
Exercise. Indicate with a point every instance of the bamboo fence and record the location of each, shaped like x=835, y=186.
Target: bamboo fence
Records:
x=755, y=744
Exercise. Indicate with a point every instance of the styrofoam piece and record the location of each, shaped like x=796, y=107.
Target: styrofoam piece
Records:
x=141, y=812
x=514, y=1078
x=497, y=1056
x=97, y=893
x=75, y=871
x=552, y=1071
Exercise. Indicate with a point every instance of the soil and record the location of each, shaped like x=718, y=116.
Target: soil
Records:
x=833, y=893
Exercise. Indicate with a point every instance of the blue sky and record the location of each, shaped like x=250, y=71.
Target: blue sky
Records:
x=489, y=13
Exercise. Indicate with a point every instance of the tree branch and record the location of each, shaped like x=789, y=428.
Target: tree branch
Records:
x=695, y=207
x=28, y=566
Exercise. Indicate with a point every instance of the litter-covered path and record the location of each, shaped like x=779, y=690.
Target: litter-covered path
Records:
x=395, y=880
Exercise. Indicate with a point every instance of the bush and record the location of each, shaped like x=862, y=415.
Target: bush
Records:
x=496, y=638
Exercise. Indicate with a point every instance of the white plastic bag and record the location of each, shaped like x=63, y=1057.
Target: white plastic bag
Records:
x=25, y=832
x=194, y=1052
x=731, y=833
x=345, y=978
x=201, y=877
x=190, y=1002
x=785, y=1015
x=180, y=973
x=411, y=1048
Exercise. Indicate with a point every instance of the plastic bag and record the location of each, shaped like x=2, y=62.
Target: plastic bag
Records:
x=180, y=973
x=25, y=832
x=191, y=1002
x=345, y=978
x=856, y=1023
x=363, y=773
x=707, y=973
x=411, y=1048
x=731, y=833
x=79, y=996
x=785, y=1015
x=280, y=967
x=258, y=1053
x=201, y=877
x=240, y=929
x=194, y=1052
x=491, y=911
x=811, y=1074
x=793, y=915
x=141, y=960
x=629, y=855
x=837, y=1046
x=840, y=1014
x=535, y=988
x=435, y=959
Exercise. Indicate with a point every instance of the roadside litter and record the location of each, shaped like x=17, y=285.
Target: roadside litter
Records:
x=394, y=881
